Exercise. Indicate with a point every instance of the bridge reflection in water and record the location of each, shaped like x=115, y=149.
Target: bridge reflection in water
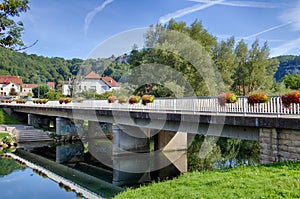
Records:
x=73, y=165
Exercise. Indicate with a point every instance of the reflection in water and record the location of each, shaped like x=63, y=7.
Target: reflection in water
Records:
x=226, y=153
x=105, y=174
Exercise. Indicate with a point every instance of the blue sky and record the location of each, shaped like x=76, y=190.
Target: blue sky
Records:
x=85, y=28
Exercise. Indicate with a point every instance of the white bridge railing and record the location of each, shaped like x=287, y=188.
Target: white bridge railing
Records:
x=186, y=105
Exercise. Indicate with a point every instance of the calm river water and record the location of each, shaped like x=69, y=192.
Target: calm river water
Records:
x=87, y=169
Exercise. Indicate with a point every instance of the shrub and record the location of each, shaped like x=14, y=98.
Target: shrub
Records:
x=134, y=99
x=147, y=99
x=257, y=97
x=227, y=98
x=111, y=99
x=290, y=97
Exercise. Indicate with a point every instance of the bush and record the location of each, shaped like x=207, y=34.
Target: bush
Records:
x=227, y=98
x=290, y=97
x=257, y=97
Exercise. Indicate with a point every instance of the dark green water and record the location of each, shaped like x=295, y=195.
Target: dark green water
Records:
x=107, y=176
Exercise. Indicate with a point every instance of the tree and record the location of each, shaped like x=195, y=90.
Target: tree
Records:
x=241, y=55
x=255, y=70
x=10, y=31
x=224, y=58
x=292, y=81
x=13, y=92
x=43, y=88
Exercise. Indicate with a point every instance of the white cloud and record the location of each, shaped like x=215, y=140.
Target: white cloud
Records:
x=266, y=30
x=286, y=48
x=89, y=17
x=253, y=4
x=185, y=11
x=292, y=15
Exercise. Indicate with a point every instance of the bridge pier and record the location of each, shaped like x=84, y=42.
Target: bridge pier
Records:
x=278, y=145
x=67, y=127
x=99, y=130
x=38, y=121
x=128, y=139
x=170, y=141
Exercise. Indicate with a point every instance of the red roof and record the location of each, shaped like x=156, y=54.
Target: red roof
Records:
x=51, y=84
x=29, y=85
x=110, y=81
x=9, y=79
x=92, y=75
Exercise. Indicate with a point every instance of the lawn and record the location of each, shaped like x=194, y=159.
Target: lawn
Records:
x=280, y=180
x=6, y=119
x=3, y=134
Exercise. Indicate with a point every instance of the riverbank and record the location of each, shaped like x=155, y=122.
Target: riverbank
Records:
x=280, y=180
x=7, y=119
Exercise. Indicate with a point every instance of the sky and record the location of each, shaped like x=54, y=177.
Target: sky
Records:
x=101, y=28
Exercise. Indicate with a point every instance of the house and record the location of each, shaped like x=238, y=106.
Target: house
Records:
x=9, y=84
x=27, y=88
x=51, y=85
x=94, y=82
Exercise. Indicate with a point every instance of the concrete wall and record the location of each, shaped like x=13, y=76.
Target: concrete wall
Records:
x=170, y=141
x=129, y=139
x=278, y=145
x=68, y=127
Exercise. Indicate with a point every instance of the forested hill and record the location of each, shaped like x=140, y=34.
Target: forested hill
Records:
x=30, y=66
x=289, y=64
x=54, y=69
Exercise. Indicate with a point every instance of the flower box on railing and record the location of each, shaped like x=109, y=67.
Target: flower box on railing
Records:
x=134, y=99
x=290, y=98
x=227, y=98
x=111, y=99
x=147, y=99
x=122, y=99
x=257, y=98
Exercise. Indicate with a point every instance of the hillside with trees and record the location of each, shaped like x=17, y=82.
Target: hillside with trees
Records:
x=55, y=69
x=289, y=65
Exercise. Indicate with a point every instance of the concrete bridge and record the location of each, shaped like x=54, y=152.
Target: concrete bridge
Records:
x=273, y=125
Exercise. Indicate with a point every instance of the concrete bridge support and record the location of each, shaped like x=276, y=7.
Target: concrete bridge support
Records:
x=278, y=145
x=38, y=121
x=67, y=127
x=170, y=141
x=99, y=130
x=127, y=139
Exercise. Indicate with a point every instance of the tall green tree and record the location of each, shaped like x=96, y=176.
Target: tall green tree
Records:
x=240, y=81
x=10, y=30
x=224, y=58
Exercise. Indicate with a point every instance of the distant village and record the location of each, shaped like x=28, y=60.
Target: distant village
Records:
x=13, y=85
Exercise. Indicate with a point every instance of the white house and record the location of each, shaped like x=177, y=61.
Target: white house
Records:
x=9, y=83
x=94, y=82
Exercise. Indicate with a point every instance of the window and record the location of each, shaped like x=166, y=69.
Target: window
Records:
x=85, y=88
x=79, y=87
x=105, y=87
x=93, y=88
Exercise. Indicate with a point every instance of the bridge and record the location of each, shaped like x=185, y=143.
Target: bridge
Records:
x=273, y=125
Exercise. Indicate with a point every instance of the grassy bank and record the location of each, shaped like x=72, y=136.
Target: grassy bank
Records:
x=6, y=119
x=280, y=180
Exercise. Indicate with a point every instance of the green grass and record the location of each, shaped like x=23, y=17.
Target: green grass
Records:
x=280, y=180
x=6, y=119
x=3, y=134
